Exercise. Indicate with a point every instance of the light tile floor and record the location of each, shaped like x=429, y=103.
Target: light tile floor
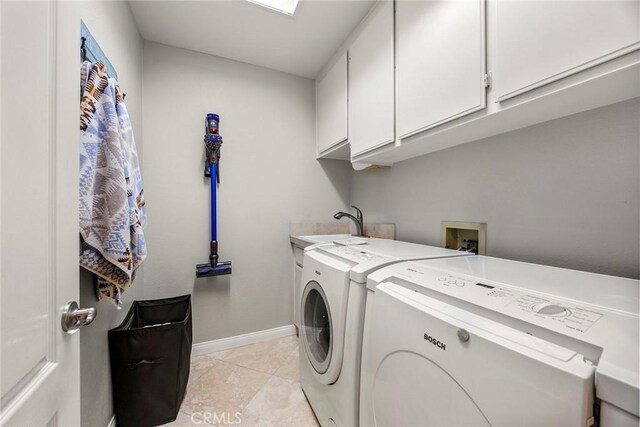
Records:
x=254, y=385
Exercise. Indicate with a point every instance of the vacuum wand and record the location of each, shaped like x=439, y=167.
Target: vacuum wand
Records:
x=213, y=248
x=213, y=143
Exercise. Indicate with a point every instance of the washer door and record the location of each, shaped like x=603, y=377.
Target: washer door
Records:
x=317, y=328
x=428, y=362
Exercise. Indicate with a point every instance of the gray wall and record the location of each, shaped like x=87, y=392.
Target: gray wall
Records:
x=111, y=23
x=269, y=177
x=563, y=193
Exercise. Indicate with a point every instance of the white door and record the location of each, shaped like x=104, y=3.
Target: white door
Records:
x=332, y=106
x=39, y=66
x=539, y=42
x=371, y=83
x=317, y=327
x=440, y=62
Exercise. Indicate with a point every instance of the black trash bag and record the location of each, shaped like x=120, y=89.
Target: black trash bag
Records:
x=150, y=358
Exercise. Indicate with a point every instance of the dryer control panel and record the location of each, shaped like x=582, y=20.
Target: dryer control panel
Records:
x=540, y=309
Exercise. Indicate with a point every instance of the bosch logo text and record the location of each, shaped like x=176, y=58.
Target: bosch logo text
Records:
x=435, y=342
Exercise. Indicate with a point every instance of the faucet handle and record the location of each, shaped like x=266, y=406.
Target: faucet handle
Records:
x=358, y=214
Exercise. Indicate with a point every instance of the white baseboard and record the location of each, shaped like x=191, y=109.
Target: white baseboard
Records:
x=240, y=340
x=112, y=421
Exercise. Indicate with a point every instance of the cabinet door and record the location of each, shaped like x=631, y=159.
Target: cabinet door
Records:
x=538, y=42
x=440, y=62
x=332, y=106
x=371, y=85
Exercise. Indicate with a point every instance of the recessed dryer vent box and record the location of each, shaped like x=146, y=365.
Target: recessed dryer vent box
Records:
x=469, y=236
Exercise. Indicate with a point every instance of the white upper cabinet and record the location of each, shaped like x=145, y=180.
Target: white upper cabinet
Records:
x=440, y=62
x=331, y=95
x=538, y=42
x=371, y=82
x=470, y=69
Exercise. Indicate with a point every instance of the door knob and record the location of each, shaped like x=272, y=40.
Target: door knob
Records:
x=74, y=317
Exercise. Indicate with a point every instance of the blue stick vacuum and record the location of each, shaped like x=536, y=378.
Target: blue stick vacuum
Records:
x=212, y=143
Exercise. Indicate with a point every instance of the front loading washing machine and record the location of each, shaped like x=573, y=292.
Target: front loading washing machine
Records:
x=332, y=315
x=489, y=342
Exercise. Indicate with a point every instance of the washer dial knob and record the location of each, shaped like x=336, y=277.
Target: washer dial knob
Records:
x=551, y=310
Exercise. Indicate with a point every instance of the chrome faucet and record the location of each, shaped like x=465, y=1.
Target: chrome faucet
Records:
x=358, y=220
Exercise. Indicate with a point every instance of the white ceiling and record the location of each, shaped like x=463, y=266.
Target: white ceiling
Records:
x=244, y=31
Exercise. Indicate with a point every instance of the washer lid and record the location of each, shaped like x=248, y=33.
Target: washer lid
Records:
x=377, y=253
x=616, y=293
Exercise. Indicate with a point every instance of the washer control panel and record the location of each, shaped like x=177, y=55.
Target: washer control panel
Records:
x=564, y=314
x=355, y=254
x=539, y=309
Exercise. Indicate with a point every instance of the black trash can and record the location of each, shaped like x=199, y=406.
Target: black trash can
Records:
x=150, y=358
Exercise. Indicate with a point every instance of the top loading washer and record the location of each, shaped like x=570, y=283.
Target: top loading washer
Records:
x=332, y=313
x=486, y=341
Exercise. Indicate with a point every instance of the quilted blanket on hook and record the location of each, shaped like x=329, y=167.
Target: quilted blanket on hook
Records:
x=112, y=207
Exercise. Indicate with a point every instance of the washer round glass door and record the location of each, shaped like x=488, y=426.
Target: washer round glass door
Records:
x=317, y=330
